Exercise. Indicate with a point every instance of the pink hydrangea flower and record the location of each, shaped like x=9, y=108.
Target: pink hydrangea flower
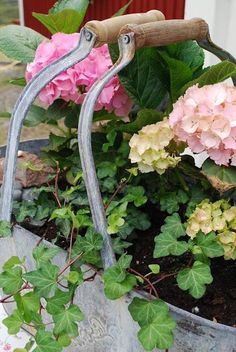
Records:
x=74, y=83
x=205, y=118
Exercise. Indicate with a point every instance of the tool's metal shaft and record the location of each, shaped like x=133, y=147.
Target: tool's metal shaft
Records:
x=85, y=45
x=127, y=51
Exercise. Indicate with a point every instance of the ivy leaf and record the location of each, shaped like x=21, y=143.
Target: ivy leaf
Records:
x=46, y=343
x=55, y=303
x=173, y=226
x=106, y=169
x=209, y=245
x=66, y=21
x=5, y=228
x=66, y=321
x=135, y=194
x=155, y=321
x=11, y=280
x=194, y=279
x=44, y=279
x=13, y=322
x=119, y=245
x=155, y=268
x=43, y=255
x=27, y=304
x=117, y=281
x=144, y=117
x=167, y=244
x=182, y=197
x=92, y=241
x=13, y=261
x=169, y=203
x=19, y=42
x=221, y=177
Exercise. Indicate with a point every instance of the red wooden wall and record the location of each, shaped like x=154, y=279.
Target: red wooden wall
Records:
x=101, y=9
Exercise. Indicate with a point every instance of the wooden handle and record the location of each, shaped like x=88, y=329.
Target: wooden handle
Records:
x=107, y=31
x=167, y=32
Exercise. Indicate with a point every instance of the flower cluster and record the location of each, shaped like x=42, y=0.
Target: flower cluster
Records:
x=219, y=217
x=148, y=148
x=73, y=83
x=205, y=118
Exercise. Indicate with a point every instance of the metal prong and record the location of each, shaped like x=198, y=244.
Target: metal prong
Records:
x=127, y=51
x=222, y=54
x=85, y=45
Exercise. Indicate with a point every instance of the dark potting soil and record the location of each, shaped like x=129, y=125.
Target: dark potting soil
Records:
x=219, y=302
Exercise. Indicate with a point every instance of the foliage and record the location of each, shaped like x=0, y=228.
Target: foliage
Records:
x=191, y=210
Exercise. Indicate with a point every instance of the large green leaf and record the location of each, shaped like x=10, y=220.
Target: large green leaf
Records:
x=173, y=225
x=27, y=305
x=209, y=245
x=167, y=244
x=55, y=303
x=155, y=321
x=144, y=117
x=195, y=279
x=19, y=43
x=66, y=321
x=78, y=5
x=216, y=73
x=66, y=21
x=13, y=322
x=43, y=255
x=221, y=177
x=44, y=279
x=11, y=280
x=143, y=77
x=46, y=343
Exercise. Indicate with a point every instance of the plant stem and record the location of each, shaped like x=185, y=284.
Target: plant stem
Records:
x=119, y=188
x=55, y=193
x=71, y=262
x=182, y=181
x=71, y=243
x=145, y=279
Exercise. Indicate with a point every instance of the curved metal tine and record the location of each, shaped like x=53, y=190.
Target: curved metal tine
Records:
x=127, y=51
x=222, y=54
x=84, y=47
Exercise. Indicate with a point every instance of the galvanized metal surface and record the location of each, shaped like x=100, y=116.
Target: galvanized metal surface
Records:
x=85, y=45
x=108, y=326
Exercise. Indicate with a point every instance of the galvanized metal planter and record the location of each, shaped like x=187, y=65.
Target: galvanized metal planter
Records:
x=108, y=325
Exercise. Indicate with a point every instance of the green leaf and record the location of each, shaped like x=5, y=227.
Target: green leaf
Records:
x=167, y=244
x=5, y=115
x=209, y=245
x=78, y=5
x=169, y=202
x=5, y=228
x=117, y=281
x=66, y=21
x=106, y=169
x=46, y=343
x=182, y=197
x=64, y=340
x=155, y=268
x=66, y=321
x=75, y=277
x=144, y=117
x=44, y=280
x=90, y=242
x=27, y=305
x=123, y=9
x=155, y=321
x=135, y=194
x=221, y=177
x=21, y=82
x=180, y=73
x=19, y=42
x=119, y=245
x=194, y=279
x=43, y=255
x=216, y=73
x=11, y=262
x=55, y=303
x=173, y=225
x=142, y=78
x=11, y=280
x=13, y=322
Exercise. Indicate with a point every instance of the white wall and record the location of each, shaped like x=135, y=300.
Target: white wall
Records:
x=221, y=17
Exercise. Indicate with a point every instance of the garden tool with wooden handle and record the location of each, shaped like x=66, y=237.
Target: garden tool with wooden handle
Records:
x=93, y=34
x=132, y=37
